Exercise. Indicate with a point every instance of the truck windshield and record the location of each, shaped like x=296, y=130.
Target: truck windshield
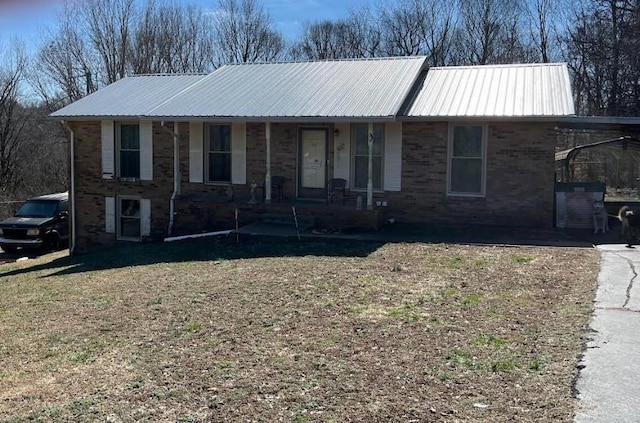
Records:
x=37, y=209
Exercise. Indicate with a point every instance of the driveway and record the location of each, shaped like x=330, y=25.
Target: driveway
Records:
x=608, y=385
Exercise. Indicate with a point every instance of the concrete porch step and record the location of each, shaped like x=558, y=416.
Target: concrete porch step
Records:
x=304, y=221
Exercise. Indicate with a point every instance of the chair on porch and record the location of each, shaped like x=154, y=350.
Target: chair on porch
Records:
x=337, y=186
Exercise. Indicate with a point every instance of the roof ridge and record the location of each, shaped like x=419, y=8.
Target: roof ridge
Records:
x=345, y=59
x=135, y=75
x=500, y=65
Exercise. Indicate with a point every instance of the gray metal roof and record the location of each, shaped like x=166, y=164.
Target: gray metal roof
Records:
x=501, y=91
x=367, y=88
x=132, y=96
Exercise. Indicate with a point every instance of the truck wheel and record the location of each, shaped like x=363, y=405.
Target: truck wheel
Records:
x=52, y=243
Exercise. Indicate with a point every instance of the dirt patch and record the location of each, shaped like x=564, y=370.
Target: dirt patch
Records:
x=302, y=332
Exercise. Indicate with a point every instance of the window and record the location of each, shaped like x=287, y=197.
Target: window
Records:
x=128, y=142
x=361, y=155
x=218, y=153
x=466, y=160
x=129, y=219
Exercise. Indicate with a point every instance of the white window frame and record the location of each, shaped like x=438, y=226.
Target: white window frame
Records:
x=119, y=149
x=119, y=218
x=207, y=152
x=483, y=157
x=354, y=155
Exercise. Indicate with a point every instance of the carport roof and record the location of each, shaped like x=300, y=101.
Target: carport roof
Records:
x=621, y=143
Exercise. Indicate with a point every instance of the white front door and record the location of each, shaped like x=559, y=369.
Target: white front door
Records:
x=312, y=163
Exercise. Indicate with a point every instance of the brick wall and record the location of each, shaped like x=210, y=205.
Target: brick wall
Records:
x=519, y=189
x=91, y=188
x=519, y=177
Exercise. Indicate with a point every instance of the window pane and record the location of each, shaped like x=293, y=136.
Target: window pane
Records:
x=467, y=141
x=130, y=227
x=129, y=218
x=130, y=164
x=361, y=139
x=220, y=167
x=129, y=137
x=219, y=138
x=361, y=173
x=377, y=173
x=466, y=175
x=362, y=147
x=130, y=208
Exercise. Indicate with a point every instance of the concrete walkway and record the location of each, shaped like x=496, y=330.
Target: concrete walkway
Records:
x=609, y=383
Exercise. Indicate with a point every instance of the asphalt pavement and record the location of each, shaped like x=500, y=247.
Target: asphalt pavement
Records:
x=608, y=385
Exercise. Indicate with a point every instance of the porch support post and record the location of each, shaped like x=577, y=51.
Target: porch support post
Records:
x=267, y=181
x=370, y=169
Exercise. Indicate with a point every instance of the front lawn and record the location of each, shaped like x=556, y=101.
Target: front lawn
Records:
x=316, y=331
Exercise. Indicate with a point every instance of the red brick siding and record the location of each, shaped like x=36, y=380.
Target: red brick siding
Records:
x=519, y=177
x=91, y=188
x=519, y=186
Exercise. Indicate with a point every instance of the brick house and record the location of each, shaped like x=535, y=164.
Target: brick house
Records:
x=155, y=155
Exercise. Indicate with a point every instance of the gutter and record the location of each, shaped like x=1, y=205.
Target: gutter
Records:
x=247, y=119
x=72, y=193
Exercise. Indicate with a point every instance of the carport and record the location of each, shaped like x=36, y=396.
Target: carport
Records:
x=565, y=158
x=574, y=197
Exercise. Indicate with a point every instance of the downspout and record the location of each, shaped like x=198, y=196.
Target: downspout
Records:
x=267, y=182
x=176, y=174
x=72, y=189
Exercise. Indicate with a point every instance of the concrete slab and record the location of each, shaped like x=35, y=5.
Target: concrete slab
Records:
x=268, y=229
x=608, y=387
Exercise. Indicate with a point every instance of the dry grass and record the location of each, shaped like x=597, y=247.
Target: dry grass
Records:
x=309, y=332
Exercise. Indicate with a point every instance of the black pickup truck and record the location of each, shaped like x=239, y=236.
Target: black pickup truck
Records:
x=41, y=222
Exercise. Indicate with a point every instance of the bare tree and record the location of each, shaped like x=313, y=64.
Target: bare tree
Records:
x=364, y=34
x=171, y=38
x=100, y=41
x=418, y=27
x=88, y=50
x=323, y=40
x=13, y=116
x=490, y=32
x=244, y=32
x=438, y=32
x=64, y=69
x=602, y=51
x=541, y=14
x=355, y=37
x=108, y=26
x=402, y=23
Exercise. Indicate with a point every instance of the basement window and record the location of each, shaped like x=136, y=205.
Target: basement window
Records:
x=129, y=222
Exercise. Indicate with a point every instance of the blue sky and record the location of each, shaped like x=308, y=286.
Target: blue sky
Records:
x=28, y=18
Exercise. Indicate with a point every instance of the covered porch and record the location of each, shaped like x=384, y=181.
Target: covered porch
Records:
x=212, y=212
